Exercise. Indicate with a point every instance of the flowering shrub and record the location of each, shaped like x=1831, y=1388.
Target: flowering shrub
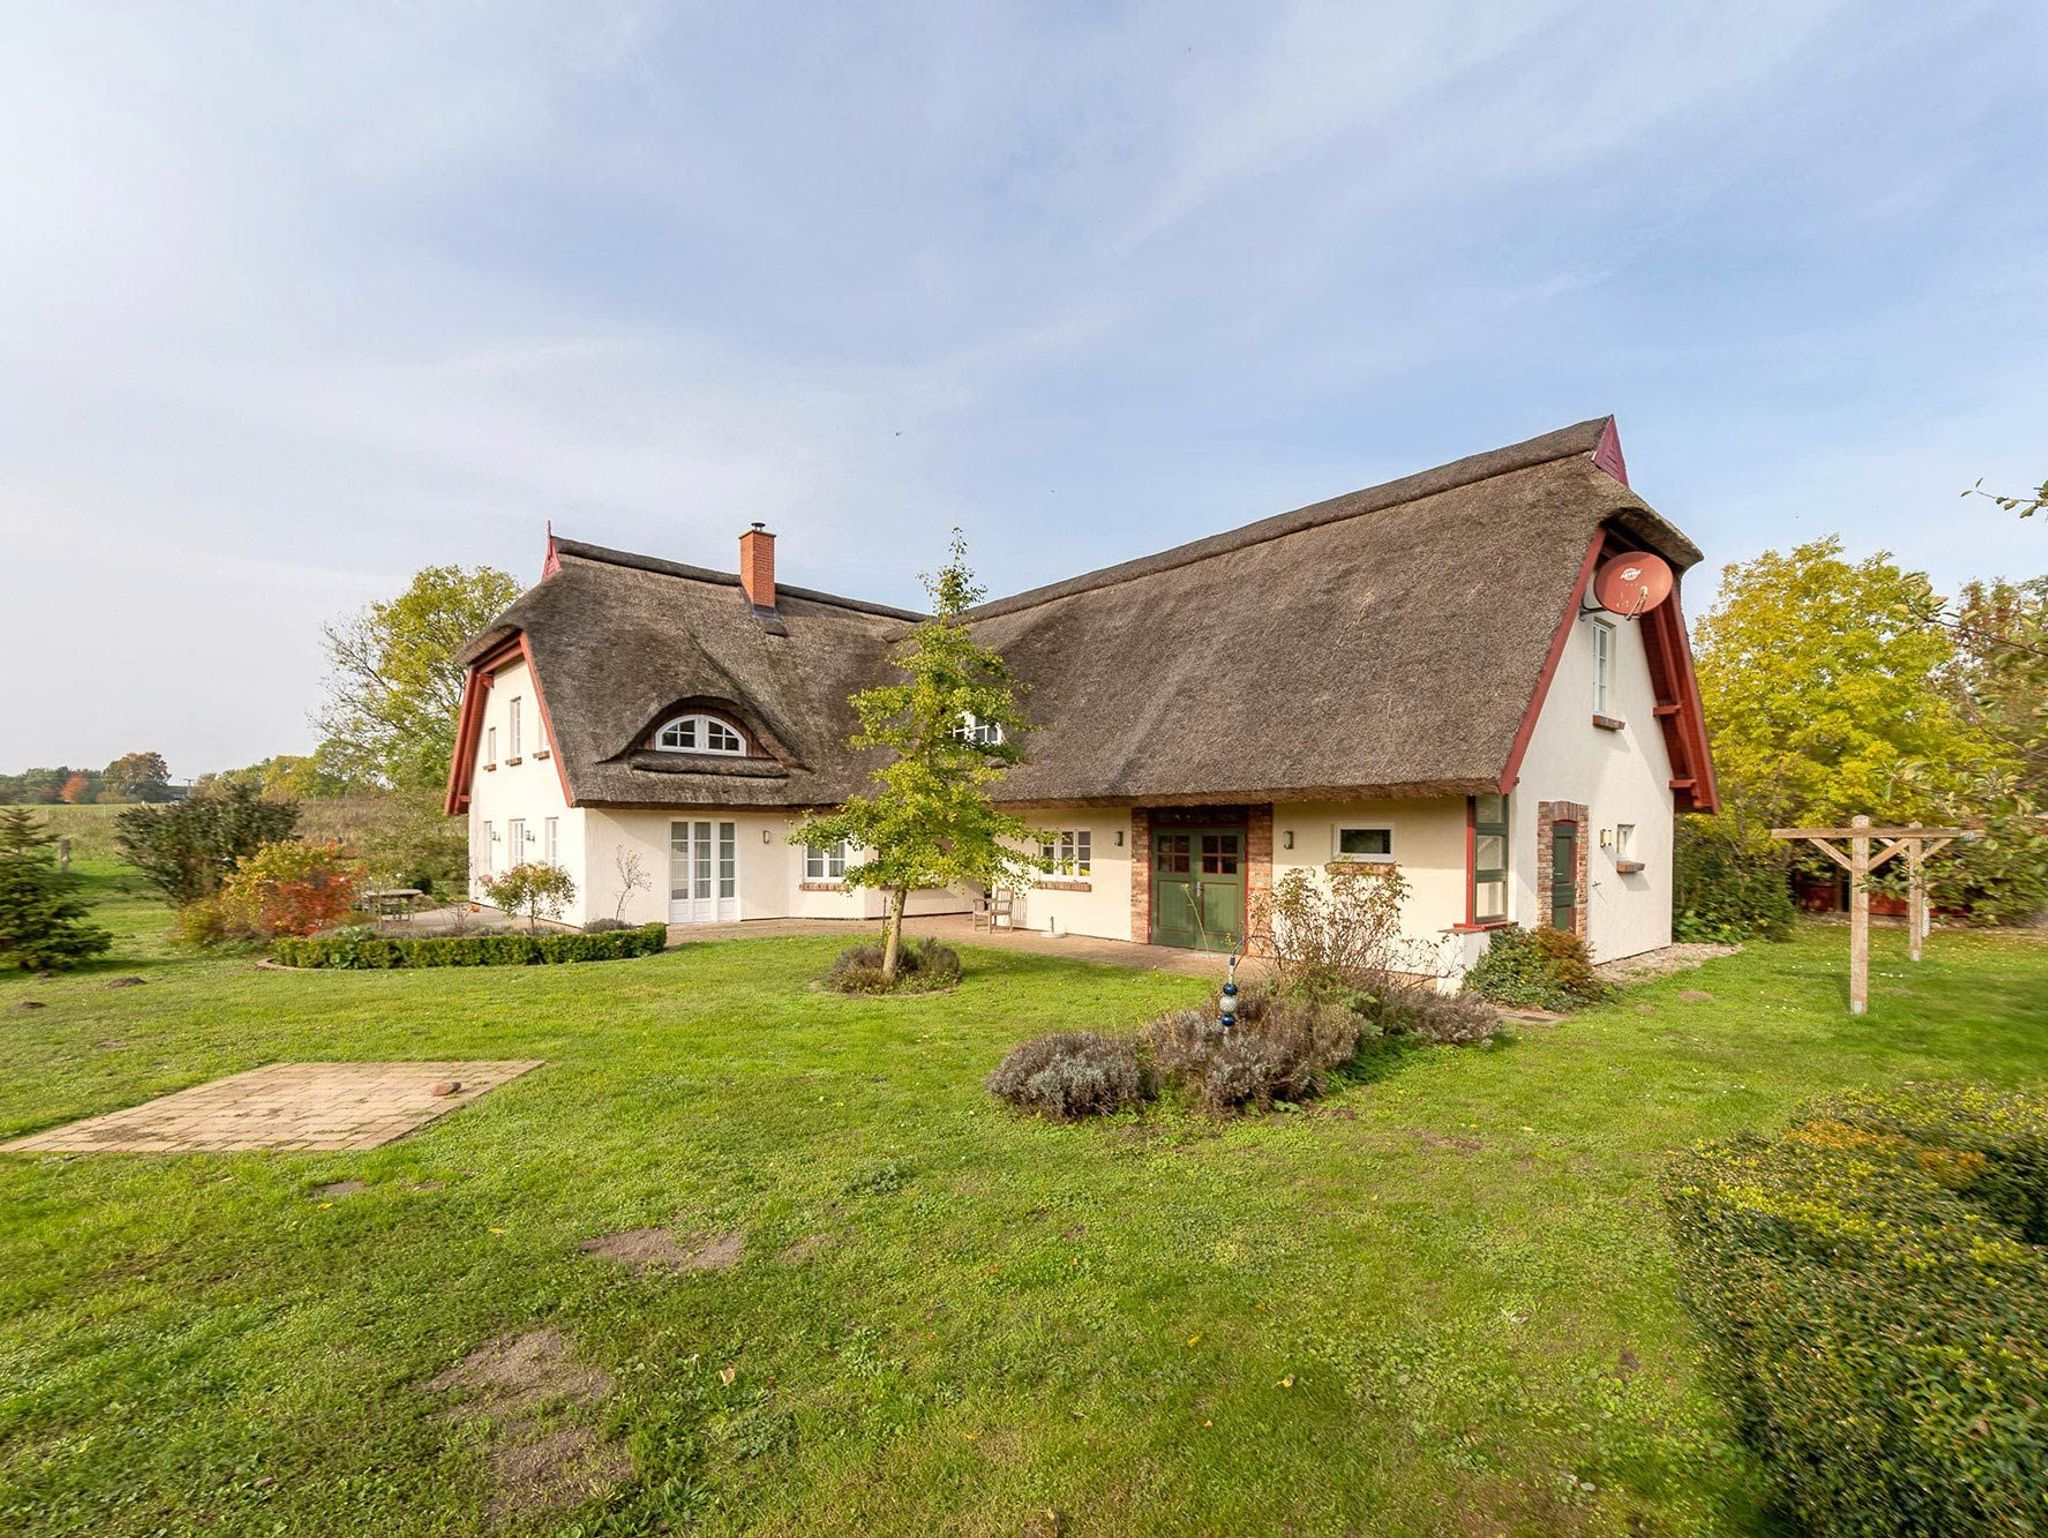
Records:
x=1873, y=1283
x=292, y=886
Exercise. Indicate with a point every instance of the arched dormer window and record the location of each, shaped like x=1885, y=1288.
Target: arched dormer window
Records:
x=700, y=734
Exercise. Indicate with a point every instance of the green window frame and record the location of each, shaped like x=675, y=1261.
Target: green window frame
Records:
x=1488, y=899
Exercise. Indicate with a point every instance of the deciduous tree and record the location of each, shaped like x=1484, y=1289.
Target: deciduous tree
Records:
x=1827, y=694
x=395, y=685
x=951, y=730
x=185, y=850
x=138, y=777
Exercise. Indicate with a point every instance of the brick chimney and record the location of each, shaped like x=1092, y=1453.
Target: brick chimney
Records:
x=757, y=566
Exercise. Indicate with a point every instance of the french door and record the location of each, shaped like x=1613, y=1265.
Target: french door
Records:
x=1198, y=887
x=703, y=872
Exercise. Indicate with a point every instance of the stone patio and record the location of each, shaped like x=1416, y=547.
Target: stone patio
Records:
x=292, y=1107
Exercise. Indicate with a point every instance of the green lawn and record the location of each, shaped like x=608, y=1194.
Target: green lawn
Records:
x=1441, y=1302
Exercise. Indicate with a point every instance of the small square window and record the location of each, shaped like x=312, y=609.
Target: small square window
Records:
x=1374, y=845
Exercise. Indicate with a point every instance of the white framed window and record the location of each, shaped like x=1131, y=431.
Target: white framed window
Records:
x=515, y=842
x=512, y=713
x=1363, y=845
x=973, y=729
x=1069, y=853
x=700, y=734
x=826, y=863
x=551, y=840
x=1603, y=668
x=490, y=853
x=490, y=744
x=1624, y=841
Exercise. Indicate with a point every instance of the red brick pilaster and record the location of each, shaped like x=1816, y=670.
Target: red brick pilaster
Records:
x=1141, y=875
x=1258, y=871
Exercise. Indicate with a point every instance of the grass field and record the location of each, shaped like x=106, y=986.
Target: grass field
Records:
x=1440, y=1302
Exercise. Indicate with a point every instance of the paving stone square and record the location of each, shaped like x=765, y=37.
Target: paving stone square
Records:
x=294, y=1107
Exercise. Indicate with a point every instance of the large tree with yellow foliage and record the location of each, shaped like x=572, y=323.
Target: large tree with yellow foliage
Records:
x=1827, y=686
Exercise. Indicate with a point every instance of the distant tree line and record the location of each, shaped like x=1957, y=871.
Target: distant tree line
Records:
x=131, y=777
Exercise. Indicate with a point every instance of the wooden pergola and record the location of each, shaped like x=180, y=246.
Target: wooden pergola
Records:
x=1916, y=844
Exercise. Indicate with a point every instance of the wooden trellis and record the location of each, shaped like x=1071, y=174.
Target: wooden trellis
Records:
x=1916, y=844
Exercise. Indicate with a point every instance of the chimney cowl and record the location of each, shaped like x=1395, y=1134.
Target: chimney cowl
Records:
x=757, y=566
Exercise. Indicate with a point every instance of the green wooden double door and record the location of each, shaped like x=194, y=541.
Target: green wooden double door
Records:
x=1198, y=887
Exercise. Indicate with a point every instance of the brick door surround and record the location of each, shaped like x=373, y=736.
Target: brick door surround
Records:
x=1548, y=815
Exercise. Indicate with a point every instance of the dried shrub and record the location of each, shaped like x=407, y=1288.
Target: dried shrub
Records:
x=1073, y=1074
x=922, y=966
x=1342, y=928
x=1421, y=1013
x=1283, y=1048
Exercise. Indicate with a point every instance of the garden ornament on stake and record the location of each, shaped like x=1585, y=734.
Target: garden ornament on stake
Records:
x=1228, y=1014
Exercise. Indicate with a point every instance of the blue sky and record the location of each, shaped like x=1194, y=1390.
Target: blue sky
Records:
x=294, y=300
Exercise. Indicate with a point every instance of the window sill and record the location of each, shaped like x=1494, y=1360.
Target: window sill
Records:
x=490, y=768
x=543, y=753
x=1608, y=723
x=1376, y=867
x=1483, y=927
x=511, y=761
x=823, y=886
x=1629, y=867
x=1062, y=884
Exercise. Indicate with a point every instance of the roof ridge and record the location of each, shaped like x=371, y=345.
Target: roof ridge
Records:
x=1563, y=443
x=667, y=568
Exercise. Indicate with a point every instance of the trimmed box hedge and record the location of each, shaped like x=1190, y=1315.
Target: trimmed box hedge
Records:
x=1875, y=1290
x=362, y=950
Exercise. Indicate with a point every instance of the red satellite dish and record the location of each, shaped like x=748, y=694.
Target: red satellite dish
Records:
x=1632, y=584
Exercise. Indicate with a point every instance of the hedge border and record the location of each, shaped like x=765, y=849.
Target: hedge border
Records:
x=354, y=950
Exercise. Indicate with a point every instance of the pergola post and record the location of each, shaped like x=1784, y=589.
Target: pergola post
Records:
x=1916, y=894
x=1916, y=844
x=1859, y=915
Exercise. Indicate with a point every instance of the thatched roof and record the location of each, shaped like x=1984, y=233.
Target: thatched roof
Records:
x=1385, y=642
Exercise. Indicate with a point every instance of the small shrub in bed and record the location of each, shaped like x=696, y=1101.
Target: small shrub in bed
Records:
x=1073, y=1074
x=605, y=926
x=1421, y=1013
x=1874, y=1288
x=363, y=949
x=922, y=966
x=1535, y=969
x=1283, y=1048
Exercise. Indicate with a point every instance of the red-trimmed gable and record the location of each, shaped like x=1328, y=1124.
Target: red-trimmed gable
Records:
x=469, y=721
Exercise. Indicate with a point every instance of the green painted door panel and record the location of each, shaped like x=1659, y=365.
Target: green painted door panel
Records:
x=1198, y=888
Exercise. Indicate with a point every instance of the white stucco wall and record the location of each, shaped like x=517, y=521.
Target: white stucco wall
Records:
x=770, y=875
x=1103, y=909
x=1619, y=776
x=1428, y=849
x=511, y=786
